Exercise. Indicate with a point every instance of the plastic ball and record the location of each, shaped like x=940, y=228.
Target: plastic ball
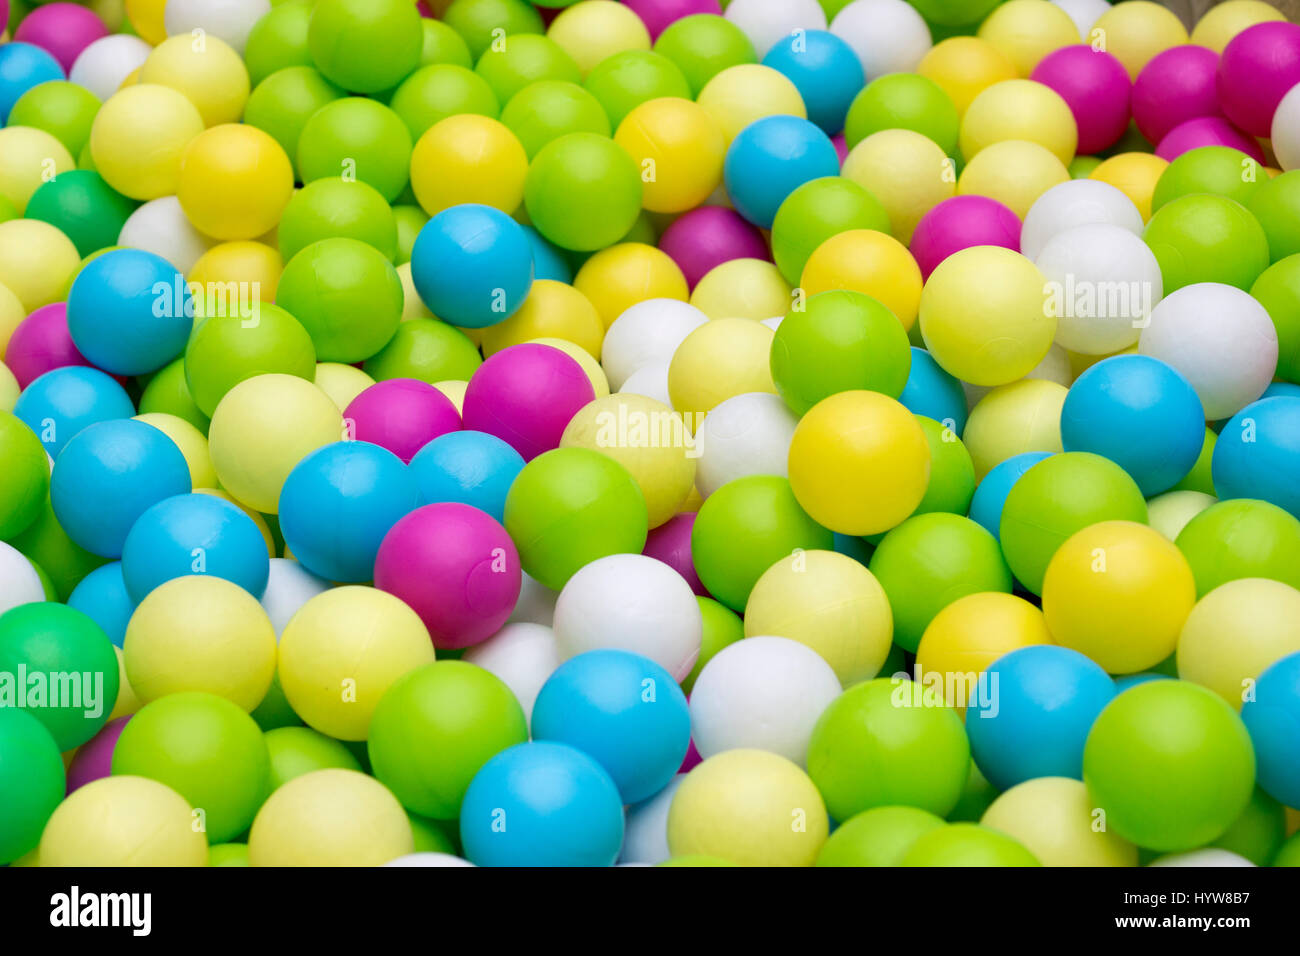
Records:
x=1241, y=538
x=228, y=349
x=933, y=393
x=1139, y=32
x=102, y=596
x=671, y=544
x=1257, y=68
x=26, y=478
x=959, y=223
x=521, y=654
x=1276, y=289
x=964, y=66
x=888, y=36
x=23, y=584
x=870, y=262
x=22, y=67
x=160, y=227
x=1096, y=87
x=647, y=332
x=625, y=80
x=583, y=192
x=58, y=405
x=62, y=109
x=103, y=66
x=824, y=69
x=1026, y=31
x=1285, y=141
x=234, y=182
x=897, y=166
x=743, y=288
x=718, y=360
x=702, y=239
x=1014, y=172
x=281, y=105
x=123, y=821
x=527, y=60
x=31, y=156
x=877, y=837
x=816, y=211
x=622, y=275
x=1020, y=110
x=1274, y=204
x=596, y=30
x=365, y=47
x=401, y=415
x=231, y=20
x=32, y=782
x=680, y=145
x=1175, y=86
x=1207, y=131
x=1208, y=169
x=82, y=206
x=1069, y=205
x=1268, y=715
x=475, y=21
x=741, y=95
x=703, y=45
x=748, y=434
x=771, y=158
x=468, y=467
x=468, y=159
x=1256, y=456
x=1053, y=818
x=360, y=137
x=209, y=74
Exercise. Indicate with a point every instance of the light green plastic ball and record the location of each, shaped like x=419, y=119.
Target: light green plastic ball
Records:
x=227, y=349
x=815, y=212
x=583, y=192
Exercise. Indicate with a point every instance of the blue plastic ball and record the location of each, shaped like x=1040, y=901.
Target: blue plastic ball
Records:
x=1140, y=413
x=1033, y=723
x=108, y=476
x=472, y=265
x=473, y=468
x=101, y=596
x=1282, y=389
x=771, y=158
x=339, y=502
x=542, y=804
x=22, y=66
x=1258, y=454
x=622, y=709
x=991, y=494
x=60, y=403
x=548, y=261
x=129, y=312
x=934, y=393
x=825, y=71
x=1273, y=719
x=194, y=534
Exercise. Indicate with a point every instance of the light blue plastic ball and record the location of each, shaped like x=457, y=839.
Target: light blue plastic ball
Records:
x=548, y=261
x=932, y=392
x=1282, y=389
x=622, y=709
x=472, y=265
x=771, y=158
x=194, y=534
x=991, y=494
x=129, y=312
x=339, y=502
x=1273, y=719
x=1034, y=721
x=22, y=66
x=108, y=476
x=1258, y=454
x=542, y=804
x=101, y=596
x=469, y=467
x=825, y=71
x=60, y=403
x=1140, y=413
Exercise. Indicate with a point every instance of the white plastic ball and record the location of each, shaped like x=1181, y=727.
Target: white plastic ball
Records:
x=888, y=36
x=1170, y=512
x=647, y=333
x=104, y=65
x=523, y=655
x=632, y=603
x=767, y=22
x=229, y=20
x=536, y=604
x=1220, y=338
x=1286, y=130
x=427, y=859
x=774, y=322
x=1078, y=202
x=651, y=381
x=745, y=435
x=288, y=587
x=1207, y=856
x=19, y=582
x=761, y=693
x=1084, y=13
x=160, y=227
x=645, y=832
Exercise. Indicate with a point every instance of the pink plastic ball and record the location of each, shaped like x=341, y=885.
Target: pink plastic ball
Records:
x=691, y=760
x=1259, y=65
x=1176, y=86
x=658, y=14
x=4, y=15
x=42, y=343
x=62, y=29
x=671, y=544
x=402, y=415
x=525, y=395
x=94, y=759
x=456, y=567
x=708, y=236
x=841, y=147
x=959, y=223
x=1207, y=131
x=1096, y=87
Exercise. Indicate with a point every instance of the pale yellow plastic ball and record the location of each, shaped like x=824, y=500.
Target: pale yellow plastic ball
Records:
x=1013, y=419
x=1025, y=31
x=455, y=391
x=123, y=821
x=206, y=69
x=11, y=315
x=9, y=390
x=742, y=288
x=1015, y=172
x=29, y=158
x=909, y=173
x=1170, y=512
x=964, y=66
x=739, y=95
x=1221, y=23
x=551, y=310
x=595, y=29
x=341, y=382
x=139, y=136
x=1136, y=30
x=1024, y=110
x=192, y=443
x=1059, y=823
x=37, y=264
x=720, y=359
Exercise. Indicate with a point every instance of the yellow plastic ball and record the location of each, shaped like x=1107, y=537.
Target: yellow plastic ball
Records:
x=412, y=306
x=29, y=157
x=203, y=633
x=1221, y=23
x=968, y=635
x=454, y=391
x=235, y=181
x=9, y=390
x=123, y=821
x=740, y=94
x=1133, y=174
x=751, y=807
x=599, y=381
x=1015, y=172
x=870, y=262
x=679, y=148
x=984, y=316
x=255, y=516
x=647, y=438
x=1170, y=512
x=595, y=29
x=1020, y=109
x=909, y=174
x=720, y=359
x=341, y=382
x=742, y=288
x=551, y=310
x=138, y=137
x=330, y=817
x=829, y=602
x=146, y=17
x=262, y=428
x=1013, y=419
x=964, y=66
x=342, y=650
x=1119, y=593
x=192, y=443
x=128, y=702
x=37, y=263
x=1058, y=823
x=1025, y=31
x=11, y=314
x=1136, y=30
x=626, y=273
x=254, y=263
x=468, y=159
x=859, y=462
x=204, y=68
x=1235, y=632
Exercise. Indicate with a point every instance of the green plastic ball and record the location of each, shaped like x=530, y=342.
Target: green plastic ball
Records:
x=346, y=294
x=885, y=743
x=1081, y=167
x=1207, y=238
x=295, y=751
x=570, y=506
x=442, y=44
x=206, y=749
x=548, y=109
x=337, y=208
x=816, y=211
x=428, y=350
x=1201, y=478
x=83, y=207
x=525, y=59
x=281, y=105
x=227, y=349
x=976, y=797
x=745, y=527
x=954, y=13
x=1057, y=497
x=722, y=628
x=583, y=192
x=274, y=711
x=1259, y=832
x=1170, y=763
x=228, y=854
x=1219, y=170
x=967, y=845
x=279, y=40
x=1278, y=290
x=432, y=93
x=703, y=45
x=70, y=666
x=1241, y=538
x=433, y=730
x=168, y=392
x=1276, y=204
x=952, y=471
x=64, y=110
x=877, y=837
x=357, y=138
x=47, y=545
x=903, y=101
x=476, y=21
x=365, y=45
x=1289, y=854
x=625, y=80
x=430, y=835
x=31, y=781
x=408, y=220
x=24, y=475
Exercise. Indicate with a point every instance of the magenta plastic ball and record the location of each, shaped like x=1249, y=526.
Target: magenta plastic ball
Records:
x=671, y=544
x=658, y=14
x=525, y=395
x=1096, y=87
x=959, y=223
x=691, y=760
x=456, y=567
x=4, y=14
x=61, y=29
x=1259, y=65
x=841, y=147
x=709, y=236
x=94, y=759
x=1176, y=86
x=1207, y=131
x=42, y=343
x=402, y=415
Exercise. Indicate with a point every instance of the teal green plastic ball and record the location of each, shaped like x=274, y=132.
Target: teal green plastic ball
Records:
x=31, y=781
x=83, y=207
